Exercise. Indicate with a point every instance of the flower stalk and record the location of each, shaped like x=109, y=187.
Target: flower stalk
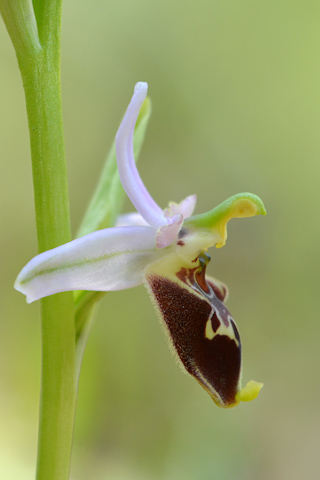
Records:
x=35, y=34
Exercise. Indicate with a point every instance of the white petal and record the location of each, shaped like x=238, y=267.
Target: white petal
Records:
x=130, y=219
x=110, y=259
x=187, y=206
x=169, y=233
x=128, y=172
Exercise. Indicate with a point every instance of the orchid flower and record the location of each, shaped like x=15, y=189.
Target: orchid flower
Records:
x=166, y=250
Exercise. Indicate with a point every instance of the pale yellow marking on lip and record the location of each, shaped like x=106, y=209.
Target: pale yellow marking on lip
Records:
x=227, y=331
x=209, y=333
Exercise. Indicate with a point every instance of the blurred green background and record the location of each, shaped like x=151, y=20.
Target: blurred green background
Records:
x=236, y=107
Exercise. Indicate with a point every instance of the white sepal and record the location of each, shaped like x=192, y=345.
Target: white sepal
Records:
x=110, y=259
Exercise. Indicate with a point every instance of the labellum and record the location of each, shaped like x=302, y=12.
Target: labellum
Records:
x=200, y=328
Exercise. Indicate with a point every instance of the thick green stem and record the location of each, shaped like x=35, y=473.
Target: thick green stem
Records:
x=58, y=383
x=42, y=89
x=35, y=35
x=58, y=388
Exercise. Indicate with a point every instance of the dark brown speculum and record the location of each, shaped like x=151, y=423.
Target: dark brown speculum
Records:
x=201, y=329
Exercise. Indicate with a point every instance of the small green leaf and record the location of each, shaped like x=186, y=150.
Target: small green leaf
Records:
x=19, y=18
x=109, y=195
x=84, y=308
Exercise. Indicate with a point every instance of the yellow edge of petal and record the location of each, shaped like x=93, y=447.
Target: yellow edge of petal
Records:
x=249, y=392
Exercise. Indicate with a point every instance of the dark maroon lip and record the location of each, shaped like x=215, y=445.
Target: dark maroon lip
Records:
x=216, y=361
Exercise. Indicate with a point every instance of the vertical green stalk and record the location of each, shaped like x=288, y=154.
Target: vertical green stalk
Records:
x=34, y=28
x=58, y=384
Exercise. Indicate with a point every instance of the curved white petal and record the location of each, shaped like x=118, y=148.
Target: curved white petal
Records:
x=110, y=259
x=169, y=233
x=187, y=206
x=128, y=172
x=173, y=215
x=130, y=219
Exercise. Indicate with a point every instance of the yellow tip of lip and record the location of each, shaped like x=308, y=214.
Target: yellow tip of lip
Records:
x=249, y=392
